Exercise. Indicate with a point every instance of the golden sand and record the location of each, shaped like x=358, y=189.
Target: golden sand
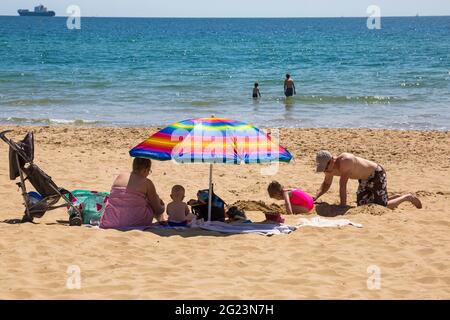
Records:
x=410, y=247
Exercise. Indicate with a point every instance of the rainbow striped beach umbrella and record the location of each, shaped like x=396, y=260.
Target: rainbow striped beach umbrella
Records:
x=211, y=140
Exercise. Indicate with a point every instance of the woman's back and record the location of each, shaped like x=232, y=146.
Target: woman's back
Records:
x=132, y=181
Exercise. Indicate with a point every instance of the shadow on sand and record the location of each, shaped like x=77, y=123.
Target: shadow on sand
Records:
x=331, y=210
x=185, y=233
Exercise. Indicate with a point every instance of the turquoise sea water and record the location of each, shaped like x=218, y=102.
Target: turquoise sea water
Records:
x=141, y=72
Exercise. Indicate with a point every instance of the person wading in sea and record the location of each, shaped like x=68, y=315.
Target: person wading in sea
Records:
x=289, y=86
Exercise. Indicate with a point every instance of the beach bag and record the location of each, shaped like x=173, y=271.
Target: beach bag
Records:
x=91, y=203
x=200, y=209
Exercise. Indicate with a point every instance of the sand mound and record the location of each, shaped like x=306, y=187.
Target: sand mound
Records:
x=259, y=206
x=372, y=209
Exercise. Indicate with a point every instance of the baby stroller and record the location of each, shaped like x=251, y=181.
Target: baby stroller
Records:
x=21, y=156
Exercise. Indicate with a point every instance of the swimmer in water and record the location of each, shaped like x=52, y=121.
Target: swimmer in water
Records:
x=256, y=93
x=289, y=86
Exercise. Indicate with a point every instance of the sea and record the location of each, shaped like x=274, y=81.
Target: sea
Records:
x=155, y=71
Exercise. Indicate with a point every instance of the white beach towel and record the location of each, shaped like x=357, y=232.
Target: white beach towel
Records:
x=258, y=228
x=320, y=222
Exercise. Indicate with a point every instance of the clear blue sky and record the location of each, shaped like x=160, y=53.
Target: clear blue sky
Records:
x=233, y=8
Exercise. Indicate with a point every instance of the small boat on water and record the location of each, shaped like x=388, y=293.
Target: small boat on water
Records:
x=39, y=11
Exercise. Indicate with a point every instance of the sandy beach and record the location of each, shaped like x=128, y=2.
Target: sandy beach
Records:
x=410, y=247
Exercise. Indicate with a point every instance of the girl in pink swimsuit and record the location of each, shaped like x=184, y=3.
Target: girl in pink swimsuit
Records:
x=297, y=201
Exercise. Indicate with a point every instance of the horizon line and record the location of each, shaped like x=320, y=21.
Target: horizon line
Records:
x=244, y=17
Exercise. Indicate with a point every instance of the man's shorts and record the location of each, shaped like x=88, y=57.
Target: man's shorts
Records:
x=374, y=189
x=289, y=92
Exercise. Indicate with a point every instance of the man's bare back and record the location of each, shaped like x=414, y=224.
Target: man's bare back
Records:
x=353, y=167
x=289, y=83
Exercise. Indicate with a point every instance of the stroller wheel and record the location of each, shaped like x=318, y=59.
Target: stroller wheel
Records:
x=26, y=218
x=75, y=221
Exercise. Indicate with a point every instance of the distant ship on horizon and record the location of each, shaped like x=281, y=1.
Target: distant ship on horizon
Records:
x=39, y=11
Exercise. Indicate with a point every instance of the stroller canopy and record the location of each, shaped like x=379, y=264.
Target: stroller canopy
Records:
x=25, y=150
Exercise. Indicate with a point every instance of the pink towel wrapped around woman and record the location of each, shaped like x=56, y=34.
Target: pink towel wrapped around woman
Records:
x=126, y=208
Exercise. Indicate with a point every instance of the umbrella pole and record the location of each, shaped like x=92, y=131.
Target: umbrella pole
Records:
x=210, y=192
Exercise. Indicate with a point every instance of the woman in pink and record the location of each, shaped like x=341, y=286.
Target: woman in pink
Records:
x=133, y=201
x=297, y=201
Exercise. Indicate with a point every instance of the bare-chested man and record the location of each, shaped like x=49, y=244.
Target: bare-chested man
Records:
x=289, y=86
x=371, y=176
